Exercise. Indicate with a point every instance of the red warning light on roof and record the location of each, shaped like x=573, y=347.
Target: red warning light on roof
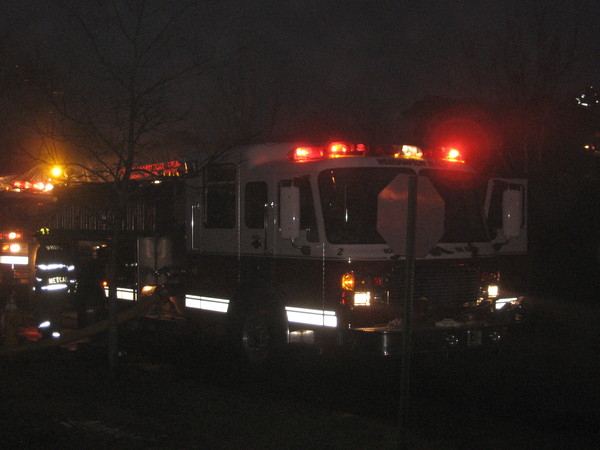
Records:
x=306, y=153
x=333, y=150
x=451, y=154
x=338, y=149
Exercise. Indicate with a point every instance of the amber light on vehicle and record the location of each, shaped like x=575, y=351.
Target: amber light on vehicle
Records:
x=351, y=297
x=348, y=281
x=12, y=248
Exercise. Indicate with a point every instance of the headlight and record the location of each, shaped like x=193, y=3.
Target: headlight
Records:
x=493, y=290
x=362, y=298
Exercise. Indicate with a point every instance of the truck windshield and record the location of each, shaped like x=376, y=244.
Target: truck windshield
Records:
x=349, y=204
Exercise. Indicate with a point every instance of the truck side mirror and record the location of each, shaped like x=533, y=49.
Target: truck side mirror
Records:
x=512, y=212
x=289, y=211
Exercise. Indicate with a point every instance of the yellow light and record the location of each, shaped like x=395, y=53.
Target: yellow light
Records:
x=348, y=281
x=15, y=248
x=56, y=172
x=148, y=290
x=493, y=290
x=409, y=151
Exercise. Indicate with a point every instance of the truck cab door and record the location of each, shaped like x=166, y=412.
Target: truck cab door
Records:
x=506, y=214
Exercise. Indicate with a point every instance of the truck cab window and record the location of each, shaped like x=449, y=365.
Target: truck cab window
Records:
x=308, y=220
x=254, y=205
x=219, y=196
x=463, y=216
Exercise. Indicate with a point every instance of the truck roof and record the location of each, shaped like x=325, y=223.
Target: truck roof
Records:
x=289, y=153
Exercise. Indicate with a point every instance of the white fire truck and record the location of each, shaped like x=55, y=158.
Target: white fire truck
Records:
x=308, y=244
x=322, y=245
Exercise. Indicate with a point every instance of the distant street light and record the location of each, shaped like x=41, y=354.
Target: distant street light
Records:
x=56, y=172
x=589, y=98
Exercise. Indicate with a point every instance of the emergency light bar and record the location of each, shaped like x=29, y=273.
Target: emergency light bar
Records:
x=38, y=186
x=333, y=150
x=343, y=149
x=11, y=235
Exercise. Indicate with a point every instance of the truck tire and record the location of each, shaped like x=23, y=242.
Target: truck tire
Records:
x=257, y=334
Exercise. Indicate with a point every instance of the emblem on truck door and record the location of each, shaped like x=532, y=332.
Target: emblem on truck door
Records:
x=256, y=243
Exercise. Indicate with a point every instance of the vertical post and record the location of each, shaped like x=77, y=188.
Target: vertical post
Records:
x=112, y=332
x=411, y=221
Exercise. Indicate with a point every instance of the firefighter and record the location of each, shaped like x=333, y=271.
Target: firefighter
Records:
x=53, y=287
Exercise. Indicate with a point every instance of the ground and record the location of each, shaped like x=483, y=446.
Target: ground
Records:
x=174, y=393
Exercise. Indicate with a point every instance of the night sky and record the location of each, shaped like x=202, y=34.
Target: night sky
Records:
x=323, y=59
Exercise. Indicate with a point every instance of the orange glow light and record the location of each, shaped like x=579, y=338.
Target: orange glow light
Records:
x=347, y=281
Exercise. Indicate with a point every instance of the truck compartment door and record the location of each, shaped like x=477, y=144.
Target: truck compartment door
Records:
x=506, y=214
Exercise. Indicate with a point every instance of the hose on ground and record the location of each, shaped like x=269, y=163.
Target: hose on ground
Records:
x=140, y=307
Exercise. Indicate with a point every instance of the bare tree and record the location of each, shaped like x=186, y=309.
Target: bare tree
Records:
x=521, y=74
x=124, y=90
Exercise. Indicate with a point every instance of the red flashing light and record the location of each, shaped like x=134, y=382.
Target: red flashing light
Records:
x=333, y=150
x=451, y=154
x=38, y=186
x=338, y=149
x=11, y=235
x=306, y=153
x=21, y=184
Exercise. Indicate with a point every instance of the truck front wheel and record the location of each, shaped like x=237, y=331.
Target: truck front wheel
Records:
x=258, y=334
x=257, y=337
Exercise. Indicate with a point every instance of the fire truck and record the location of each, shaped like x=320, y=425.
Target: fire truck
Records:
x=83, y=225
x=323, y=245
x=309, y=244
x=24, y=207
x=55, y=239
